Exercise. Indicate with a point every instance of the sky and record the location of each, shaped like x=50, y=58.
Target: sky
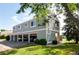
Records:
x=9, y=18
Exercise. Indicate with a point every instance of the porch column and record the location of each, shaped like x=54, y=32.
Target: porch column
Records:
x=28, y=38
x=17, y=38
x=13, y=37
x=10, y=37
x=22, y=38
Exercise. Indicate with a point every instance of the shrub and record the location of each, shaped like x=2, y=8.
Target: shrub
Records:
x=7, y=38
x=37, y=41
x=42, y=42
x=54, y=42
x=2, y=37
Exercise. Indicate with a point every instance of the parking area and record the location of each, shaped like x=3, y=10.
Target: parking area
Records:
x=6, y=45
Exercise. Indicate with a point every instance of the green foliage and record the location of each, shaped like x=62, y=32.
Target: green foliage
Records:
x=72, y=23
x=7, y=38
x=40, y=9
x=2, y=37
x=41, y=41
x=72, y=7
x=54, y=42
x=37, y=41
x=2, y=30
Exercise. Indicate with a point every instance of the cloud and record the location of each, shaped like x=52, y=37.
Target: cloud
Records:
x=15, y=19
x=19, y=18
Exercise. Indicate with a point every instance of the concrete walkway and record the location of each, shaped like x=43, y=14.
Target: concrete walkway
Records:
x=6, y=45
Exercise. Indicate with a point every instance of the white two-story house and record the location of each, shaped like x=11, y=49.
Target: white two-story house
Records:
x=30, y=30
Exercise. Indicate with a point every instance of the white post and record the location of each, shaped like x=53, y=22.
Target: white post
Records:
x=13, y=37
x=10, y=38
x=17, y=37
x=22, y=38
x=28, y=38
x=47, y=31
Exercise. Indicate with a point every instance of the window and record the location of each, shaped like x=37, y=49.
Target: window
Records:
x=19, y=27
x=25, y=24
x=33, y=24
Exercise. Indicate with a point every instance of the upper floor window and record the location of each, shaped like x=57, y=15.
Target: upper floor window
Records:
x=25, y=24
x=33, y=24
x=19, y=27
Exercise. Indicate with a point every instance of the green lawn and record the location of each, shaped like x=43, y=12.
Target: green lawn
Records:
x=64, y=49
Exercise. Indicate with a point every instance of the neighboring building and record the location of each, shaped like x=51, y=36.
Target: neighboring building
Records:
x=29, y=30
x=5, y=33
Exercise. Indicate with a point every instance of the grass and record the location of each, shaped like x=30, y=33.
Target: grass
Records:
x=64, y=49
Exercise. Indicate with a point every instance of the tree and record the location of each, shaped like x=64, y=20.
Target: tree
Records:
x=2, y=37
x=72, y=22
x=42, y=10
x=2, y=30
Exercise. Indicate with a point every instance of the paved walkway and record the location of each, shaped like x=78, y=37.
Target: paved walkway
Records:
x=6, y=45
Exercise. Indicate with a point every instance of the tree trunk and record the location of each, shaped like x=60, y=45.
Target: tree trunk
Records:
x=76, y=42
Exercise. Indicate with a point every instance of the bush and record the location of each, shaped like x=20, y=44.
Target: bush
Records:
x=42, y=42
x=37, y=41
x=54, y=42
x=2, y=37
x=7, y=38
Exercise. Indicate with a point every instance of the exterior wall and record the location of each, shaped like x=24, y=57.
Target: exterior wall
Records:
x=52, y=36
x=41, y=34
x=27, y=28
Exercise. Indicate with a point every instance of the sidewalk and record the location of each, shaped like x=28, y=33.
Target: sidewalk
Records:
x=4, y=47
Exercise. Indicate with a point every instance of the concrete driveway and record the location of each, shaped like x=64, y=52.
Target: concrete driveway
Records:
x=6, y=45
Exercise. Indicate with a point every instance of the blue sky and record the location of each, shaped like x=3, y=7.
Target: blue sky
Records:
x=6, y=12
x=8, y=16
